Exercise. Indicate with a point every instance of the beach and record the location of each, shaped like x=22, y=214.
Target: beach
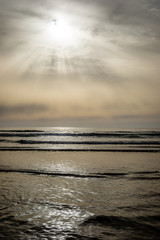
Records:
x=80, y=120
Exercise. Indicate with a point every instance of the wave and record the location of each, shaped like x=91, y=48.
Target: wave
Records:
x=150, y=150
x=121, y=227
x=87, y=175
x=33, y=142
x=21, y=131
x=134, y=173
x=60, y=174
x=90, y=142
x=145, y=178
x=114, y=134
x=118, y=222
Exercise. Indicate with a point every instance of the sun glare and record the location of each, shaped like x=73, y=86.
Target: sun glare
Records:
x=61, y=32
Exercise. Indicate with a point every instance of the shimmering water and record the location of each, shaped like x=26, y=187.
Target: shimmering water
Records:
x=79, y=194
x=69, y=139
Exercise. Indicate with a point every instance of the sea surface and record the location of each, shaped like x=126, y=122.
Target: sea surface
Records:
x=72, y=183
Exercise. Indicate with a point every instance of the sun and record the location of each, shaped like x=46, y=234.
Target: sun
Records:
x=63, y=32
x=60, y=31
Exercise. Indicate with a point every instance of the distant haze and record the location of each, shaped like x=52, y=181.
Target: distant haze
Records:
x=88, y=63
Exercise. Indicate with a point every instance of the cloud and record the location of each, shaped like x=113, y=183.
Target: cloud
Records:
x=26, y=109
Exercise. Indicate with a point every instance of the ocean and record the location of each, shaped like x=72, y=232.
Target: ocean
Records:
x=75, y=183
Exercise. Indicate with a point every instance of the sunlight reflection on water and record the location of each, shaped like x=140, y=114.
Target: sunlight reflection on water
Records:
x=109, y=190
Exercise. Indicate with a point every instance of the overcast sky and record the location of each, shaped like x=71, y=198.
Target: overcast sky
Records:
x=80, y=63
